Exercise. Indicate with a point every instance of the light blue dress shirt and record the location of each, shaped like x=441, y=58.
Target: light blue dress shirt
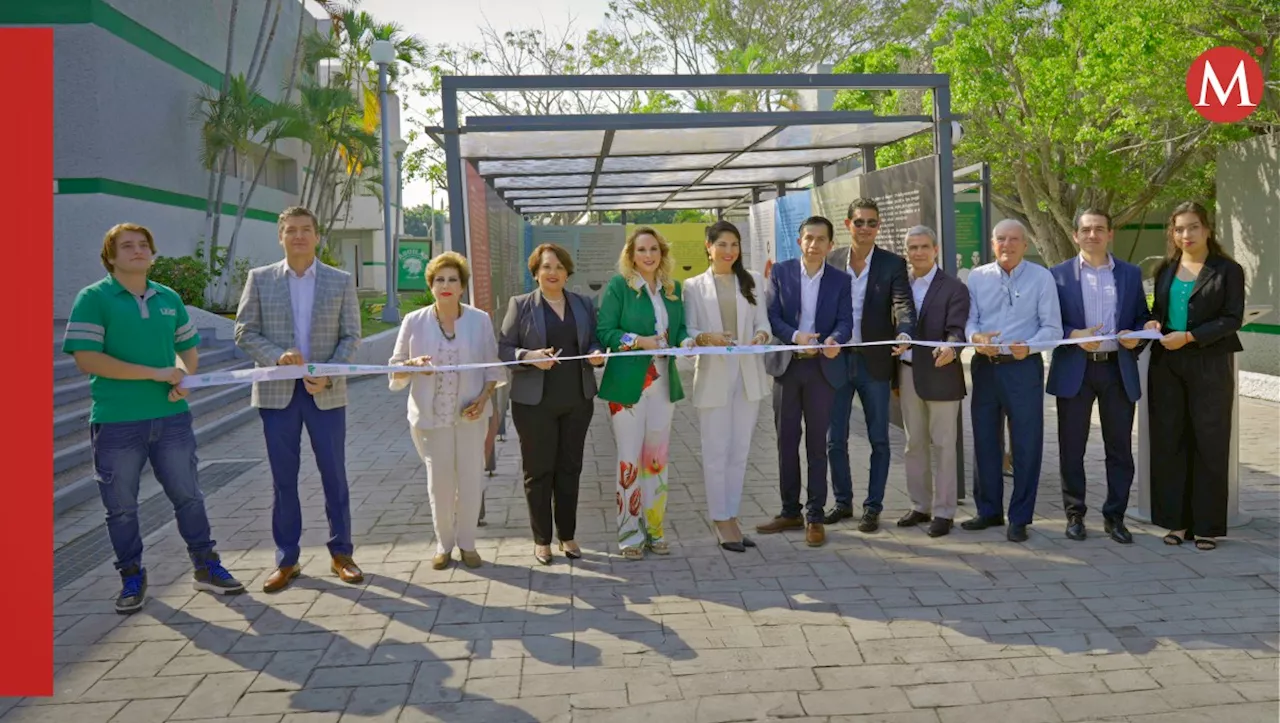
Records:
x=1022, y=306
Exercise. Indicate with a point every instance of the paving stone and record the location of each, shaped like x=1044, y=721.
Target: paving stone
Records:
x=893, y=627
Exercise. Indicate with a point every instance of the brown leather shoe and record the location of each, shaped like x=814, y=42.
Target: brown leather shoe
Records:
x=280, y=578
x=780, y=523
x=814, y=534
x=345, y=568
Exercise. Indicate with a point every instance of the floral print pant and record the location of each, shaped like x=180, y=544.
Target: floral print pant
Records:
x=641, y=432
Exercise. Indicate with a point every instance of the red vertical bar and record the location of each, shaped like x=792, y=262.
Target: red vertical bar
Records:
x=26, y=443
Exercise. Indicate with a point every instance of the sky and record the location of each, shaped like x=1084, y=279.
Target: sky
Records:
x=458, y=22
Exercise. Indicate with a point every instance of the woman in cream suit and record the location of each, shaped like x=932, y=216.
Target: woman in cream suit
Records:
x=449, y=411
x=724, y=306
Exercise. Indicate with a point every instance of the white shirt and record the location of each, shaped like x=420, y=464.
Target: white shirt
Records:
x=302, y=296
x=859, y=289
x=809, y=286
x=920, y=287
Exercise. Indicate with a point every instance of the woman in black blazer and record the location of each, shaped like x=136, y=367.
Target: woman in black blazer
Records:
x=1199, y=304
x=551, y=400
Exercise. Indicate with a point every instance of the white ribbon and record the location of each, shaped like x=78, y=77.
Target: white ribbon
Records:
x=298, y=371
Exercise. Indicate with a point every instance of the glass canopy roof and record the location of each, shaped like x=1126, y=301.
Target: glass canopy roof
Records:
x=664, y=161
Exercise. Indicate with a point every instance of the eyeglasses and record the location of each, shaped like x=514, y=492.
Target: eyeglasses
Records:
x=869, y=223
x=1010, y=291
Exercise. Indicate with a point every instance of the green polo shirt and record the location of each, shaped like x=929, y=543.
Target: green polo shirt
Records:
x=149, y=330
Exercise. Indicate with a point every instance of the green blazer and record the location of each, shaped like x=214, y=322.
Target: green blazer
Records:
x=626, y=309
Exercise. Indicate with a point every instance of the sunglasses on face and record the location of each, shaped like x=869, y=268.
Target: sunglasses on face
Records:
x=869, y=223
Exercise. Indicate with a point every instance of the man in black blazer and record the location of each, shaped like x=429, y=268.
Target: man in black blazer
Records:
x=1099, y=295
x=882, y=310
x=931, y=387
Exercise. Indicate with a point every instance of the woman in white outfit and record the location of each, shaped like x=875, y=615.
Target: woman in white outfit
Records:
x=724, y=306
x=449, y=411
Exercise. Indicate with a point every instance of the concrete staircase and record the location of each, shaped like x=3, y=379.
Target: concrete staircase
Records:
x=216, y=411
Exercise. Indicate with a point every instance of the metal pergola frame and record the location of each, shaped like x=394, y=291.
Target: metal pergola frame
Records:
x=582, y=179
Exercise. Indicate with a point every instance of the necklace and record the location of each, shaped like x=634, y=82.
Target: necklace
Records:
x=440, y=323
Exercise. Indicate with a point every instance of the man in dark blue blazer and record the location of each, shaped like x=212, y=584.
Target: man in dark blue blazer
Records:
x=809, y=304
x=1099, y=295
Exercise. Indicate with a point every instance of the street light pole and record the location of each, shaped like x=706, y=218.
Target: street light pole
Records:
x=383, y=53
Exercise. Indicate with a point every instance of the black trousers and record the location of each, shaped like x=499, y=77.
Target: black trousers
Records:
x=1190, y=411
x=552, y=437
x=1102, y=383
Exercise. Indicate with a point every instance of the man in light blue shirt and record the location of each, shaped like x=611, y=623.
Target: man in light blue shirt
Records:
x=1013, y=311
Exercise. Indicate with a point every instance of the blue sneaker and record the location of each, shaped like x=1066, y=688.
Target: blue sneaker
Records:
x=133, y=594
x=211, y=576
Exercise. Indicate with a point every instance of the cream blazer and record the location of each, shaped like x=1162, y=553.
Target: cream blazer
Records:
x=711, y=373
x=420, y=334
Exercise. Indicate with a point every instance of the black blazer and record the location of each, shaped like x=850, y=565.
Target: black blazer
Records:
x=524, y=327
x=942, y=317
x=1215, y=311
x=887, y=309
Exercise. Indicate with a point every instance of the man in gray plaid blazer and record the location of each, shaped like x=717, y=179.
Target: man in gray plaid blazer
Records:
x=297, y=311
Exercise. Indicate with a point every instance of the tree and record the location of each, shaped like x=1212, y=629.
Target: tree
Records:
x=419, y=219
x=533, y=51
x=1080, y=103
x=343, y=109
x=767, y=36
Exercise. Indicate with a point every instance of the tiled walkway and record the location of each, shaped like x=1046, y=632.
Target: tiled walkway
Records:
x=891, y=627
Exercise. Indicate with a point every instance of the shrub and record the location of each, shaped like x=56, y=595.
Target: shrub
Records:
x=186, y=275
x=423, y=298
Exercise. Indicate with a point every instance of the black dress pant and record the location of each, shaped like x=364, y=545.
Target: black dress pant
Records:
x=552, y=436
x=1190, y=411
x=1102, y=383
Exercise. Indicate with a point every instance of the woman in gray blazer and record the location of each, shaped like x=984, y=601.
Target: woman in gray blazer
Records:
x=551, y=400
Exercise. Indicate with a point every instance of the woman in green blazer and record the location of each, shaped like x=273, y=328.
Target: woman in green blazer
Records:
x=641, y=309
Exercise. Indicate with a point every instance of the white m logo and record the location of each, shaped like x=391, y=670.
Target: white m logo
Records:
x=1210, y=77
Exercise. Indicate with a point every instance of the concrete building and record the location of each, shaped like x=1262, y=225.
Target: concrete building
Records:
x=126, y=143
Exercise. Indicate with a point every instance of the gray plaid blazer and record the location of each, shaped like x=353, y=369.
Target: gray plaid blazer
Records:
x=264, y=329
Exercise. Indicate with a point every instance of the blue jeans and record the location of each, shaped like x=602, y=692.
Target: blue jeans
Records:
x=874, y=395
x=327, y=429
x=120, y=449
x=1014, y=389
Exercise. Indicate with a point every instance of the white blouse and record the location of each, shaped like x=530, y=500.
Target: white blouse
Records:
x=437, y=400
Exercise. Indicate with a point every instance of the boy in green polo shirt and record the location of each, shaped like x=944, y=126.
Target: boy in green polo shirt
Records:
x=134, y=339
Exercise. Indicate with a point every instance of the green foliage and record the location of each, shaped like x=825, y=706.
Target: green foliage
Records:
x=328, y=257
x=1080, y=102
x=187, y=275
x=421, y=299
x=418, y=220
x=687, y=215
x=890, y=58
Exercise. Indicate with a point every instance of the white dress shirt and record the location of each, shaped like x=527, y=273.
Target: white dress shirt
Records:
x=920, y=287
x=859, y=289
x=1098, y=292
x=302, y=296
x=809, y=286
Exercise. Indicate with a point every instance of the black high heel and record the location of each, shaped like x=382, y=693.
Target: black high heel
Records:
x=571, y=554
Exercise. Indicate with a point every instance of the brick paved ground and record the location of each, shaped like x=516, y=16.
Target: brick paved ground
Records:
x=891, y=627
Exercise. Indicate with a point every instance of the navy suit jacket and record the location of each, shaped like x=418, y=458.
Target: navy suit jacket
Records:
x=1066, y=371
x=833, y=317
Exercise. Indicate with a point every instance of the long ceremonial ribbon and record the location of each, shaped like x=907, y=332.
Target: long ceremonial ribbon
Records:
x=297, y=371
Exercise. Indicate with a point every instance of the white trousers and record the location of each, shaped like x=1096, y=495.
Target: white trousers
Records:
x=454, y=457
x=642, y=432
x=931, y=442
x=726, y=444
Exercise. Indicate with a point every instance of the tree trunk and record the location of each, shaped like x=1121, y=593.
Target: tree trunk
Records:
x=212, y=202
x=217, y=216
x=228, y=268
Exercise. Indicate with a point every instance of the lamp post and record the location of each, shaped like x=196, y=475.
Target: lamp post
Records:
x=384, y=53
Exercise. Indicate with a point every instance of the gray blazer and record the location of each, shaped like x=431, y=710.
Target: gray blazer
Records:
x=525, y=328
x=264, y=329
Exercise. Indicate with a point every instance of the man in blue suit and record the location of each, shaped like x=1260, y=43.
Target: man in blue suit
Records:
x=809, y=304
x=1099, y=295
